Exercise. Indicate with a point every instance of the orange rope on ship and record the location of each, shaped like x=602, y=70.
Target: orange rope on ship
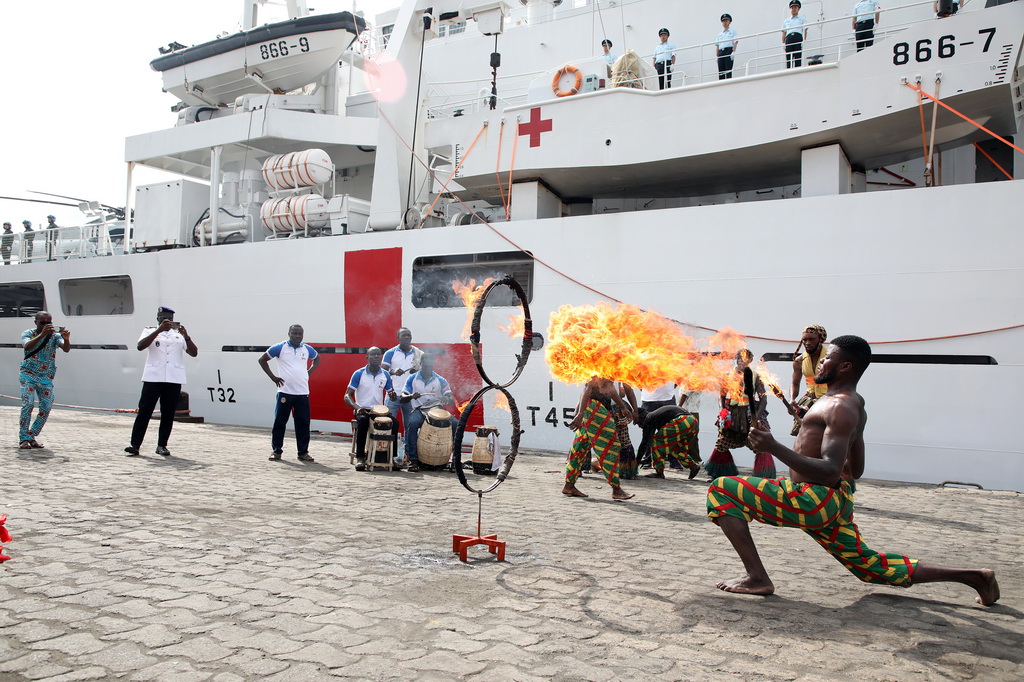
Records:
x=511, y=167
x=924, y=128
x=966, y=118
x=993, y=161
x=497, y=164
x=454, y=171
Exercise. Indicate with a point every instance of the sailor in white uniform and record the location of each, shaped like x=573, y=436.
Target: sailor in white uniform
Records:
x=793, y=34
x=866, y=14
x=726, y=47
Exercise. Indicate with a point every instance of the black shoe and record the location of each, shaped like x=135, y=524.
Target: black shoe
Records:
x=161, y=450
x=132, y=451
x=275, y=457
x=304, y=457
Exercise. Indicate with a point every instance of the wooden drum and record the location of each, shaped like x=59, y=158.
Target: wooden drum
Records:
x=483, y=457
x=380, y=444
x=434, y=442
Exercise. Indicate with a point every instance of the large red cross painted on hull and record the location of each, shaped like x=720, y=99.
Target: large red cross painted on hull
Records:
x=535, y=126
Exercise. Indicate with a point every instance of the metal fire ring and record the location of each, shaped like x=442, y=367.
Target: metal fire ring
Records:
x=474, y=336
x=460, y=433
x=474, y=340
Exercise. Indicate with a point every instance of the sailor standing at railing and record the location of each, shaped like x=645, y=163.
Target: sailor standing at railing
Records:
x=608, y=55
x=866, y=15
x=7, y=243
x=726, y=47
x=28, y=237
x=51, y=237
x=793, y=35
x=664, y=60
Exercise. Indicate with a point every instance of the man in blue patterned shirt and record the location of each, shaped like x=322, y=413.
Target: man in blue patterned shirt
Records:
x=37, y=372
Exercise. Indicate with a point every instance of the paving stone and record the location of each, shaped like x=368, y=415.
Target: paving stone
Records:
x=73, y=645
x=323, y=654
x=152, y=636
x=121, y=658
x=199, y=568
x=202, y=649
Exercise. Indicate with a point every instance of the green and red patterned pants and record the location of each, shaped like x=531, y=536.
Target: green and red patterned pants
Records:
x=675, y=440
x=826, y=514
x=598, y=432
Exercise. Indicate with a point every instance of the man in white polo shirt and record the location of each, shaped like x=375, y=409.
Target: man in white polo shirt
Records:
x=366, y=390
x=400, y=362
x=293, y=358
x=162, y=378
x=424, y=390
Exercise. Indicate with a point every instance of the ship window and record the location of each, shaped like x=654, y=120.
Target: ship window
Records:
x=432, y=277
x=111, y=295
x=21, y=299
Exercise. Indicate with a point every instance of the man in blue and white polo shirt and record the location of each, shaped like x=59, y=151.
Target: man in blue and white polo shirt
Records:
x=293, y=358
x=365, y=391
x=424, y=390
x=400, y=362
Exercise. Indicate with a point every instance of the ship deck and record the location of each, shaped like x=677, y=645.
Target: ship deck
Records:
x=217, y=564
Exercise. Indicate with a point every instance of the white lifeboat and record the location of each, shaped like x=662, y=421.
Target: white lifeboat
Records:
x=274, y=58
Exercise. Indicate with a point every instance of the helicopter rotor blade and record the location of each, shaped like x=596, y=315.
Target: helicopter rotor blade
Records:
x=42, y=201
x=51, y=194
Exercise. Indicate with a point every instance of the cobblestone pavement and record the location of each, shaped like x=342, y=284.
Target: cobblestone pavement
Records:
x=217, y=564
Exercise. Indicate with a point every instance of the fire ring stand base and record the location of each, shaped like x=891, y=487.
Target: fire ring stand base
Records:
x=462, y=543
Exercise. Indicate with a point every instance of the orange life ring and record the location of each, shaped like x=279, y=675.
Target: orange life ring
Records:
x=567, y=69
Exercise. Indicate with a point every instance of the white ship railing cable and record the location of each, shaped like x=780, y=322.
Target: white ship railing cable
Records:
x=613, y=299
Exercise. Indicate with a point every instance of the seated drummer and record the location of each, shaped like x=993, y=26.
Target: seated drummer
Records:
x=425, y=389
x=365, y=391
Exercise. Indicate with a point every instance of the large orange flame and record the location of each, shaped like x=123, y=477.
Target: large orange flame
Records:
x=501, y=402
x=470, y=293
x=769, y=379
x=516, y=325
x=642, y=349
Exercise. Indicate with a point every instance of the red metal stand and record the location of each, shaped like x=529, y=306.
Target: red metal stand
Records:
x=462, y=543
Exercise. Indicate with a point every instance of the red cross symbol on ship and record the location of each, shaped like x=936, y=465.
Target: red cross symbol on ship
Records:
x=535, y=126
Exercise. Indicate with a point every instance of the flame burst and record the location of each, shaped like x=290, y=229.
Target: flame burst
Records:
x=642, y=349
x=470, y=293
x=516, y=325
x=501, y=402
x=769, y=379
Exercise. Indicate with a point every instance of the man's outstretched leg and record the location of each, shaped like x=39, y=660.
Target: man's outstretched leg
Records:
x=981, y=579
x=756, y=581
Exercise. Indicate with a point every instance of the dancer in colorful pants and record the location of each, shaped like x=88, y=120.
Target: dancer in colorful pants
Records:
x=670, y=432
x=37, y=371
x=828, y=452
x=596, y=429
x=734, y=425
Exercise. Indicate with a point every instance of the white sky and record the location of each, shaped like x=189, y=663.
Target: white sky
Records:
x=77, y=81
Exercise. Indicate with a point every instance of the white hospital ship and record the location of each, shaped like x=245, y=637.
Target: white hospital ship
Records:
x=342, y=173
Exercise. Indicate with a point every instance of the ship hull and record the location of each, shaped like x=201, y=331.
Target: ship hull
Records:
x=890, y=266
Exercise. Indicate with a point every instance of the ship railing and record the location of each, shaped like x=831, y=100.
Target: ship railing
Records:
x=78, y=241
x=828, y=39
x=447, y=99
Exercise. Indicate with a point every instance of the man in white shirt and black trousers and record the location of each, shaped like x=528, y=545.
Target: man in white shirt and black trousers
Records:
x=162, y=378
x=293, y=358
